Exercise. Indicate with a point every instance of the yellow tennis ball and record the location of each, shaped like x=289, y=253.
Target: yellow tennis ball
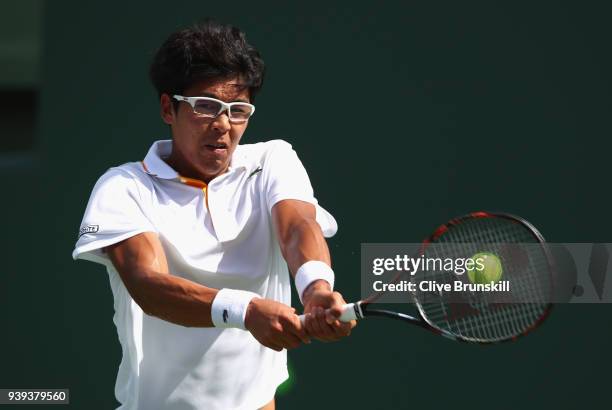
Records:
x=487, y=268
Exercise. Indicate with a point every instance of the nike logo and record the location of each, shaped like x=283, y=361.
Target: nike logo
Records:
x=259, y=169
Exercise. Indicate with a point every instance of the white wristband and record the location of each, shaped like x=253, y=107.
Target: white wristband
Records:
x=311, y=271
x=229, y=307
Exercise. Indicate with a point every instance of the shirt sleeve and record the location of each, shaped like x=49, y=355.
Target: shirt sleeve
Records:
x=115, y=212
x=286, y=178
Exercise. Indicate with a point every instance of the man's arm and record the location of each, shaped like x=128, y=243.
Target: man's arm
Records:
x=142, y=265
x=301, y=240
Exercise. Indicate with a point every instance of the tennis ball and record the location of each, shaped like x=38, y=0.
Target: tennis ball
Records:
x=491, y=268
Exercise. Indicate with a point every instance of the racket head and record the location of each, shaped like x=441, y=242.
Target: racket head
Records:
x=475, y=319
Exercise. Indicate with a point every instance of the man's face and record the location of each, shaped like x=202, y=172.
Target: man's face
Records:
x=196, y=140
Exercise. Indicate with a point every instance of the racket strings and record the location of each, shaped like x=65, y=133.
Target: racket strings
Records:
x=478, y=317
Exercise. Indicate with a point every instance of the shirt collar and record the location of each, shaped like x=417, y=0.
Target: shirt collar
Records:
x=155, y=165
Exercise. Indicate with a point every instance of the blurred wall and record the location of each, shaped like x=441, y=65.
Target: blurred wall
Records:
x=404, y=115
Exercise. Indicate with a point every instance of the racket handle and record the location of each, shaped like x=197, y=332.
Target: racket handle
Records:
x=350, y=311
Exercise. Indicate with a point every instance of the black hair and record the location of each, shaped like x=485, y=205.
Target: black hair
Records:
x=207, y=50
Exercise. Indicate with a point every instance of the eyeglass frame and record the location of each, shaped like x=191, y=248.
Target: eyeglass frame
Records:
x=224, y=107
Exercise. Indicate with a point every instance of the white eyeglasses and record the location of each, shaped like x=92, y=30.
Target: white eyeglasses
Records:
x=211, y=108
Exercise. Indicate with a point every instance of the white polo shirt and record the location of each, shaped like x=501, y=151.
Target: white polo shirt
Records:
x=219, y=235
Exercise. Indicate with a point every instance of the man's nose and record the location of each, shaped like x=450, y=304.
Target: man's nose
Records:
x=221, y=123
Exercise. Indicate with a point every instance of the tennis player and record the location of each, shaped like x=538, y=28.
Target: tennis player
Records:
x=199, y=238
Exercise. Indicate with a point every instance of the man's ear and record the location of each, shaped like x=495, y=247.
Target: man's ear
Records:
x=166, y=109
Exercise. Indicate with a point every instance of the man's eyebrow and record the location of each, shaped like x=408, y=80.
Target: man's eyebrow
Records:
x=211, y=95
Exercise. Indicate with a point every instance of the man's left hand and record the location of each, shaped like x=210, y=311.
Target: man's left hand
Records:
x=322, y=308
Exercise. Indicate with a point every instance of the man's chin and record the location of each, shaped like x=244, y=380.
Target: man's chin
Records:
x=214, y=171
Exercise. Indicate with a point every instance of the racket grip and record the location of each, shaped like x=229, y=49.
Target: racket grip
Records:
x=349, y=312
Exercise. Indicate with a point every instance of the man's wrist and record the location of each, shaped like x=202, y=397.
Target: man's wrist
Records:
x=311, y=272
x=229, y=308
x=317, y=285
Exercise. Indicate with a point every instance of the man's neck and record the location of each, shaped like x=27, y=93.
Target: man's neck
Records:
x=178, y=164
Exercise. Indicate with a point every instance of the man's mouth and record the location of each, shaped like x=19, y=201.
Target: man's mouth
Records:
x=214, y=147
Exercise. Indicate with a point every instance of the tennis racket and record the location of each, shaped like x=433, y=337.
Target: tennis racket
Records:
x=476, y=319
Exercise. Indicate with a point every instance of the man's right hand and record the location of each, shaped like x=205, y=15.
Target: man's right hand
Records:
x=274, y=324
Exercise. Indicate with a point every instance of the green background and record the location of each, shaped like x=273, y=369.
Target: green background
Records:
x=404, y=115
